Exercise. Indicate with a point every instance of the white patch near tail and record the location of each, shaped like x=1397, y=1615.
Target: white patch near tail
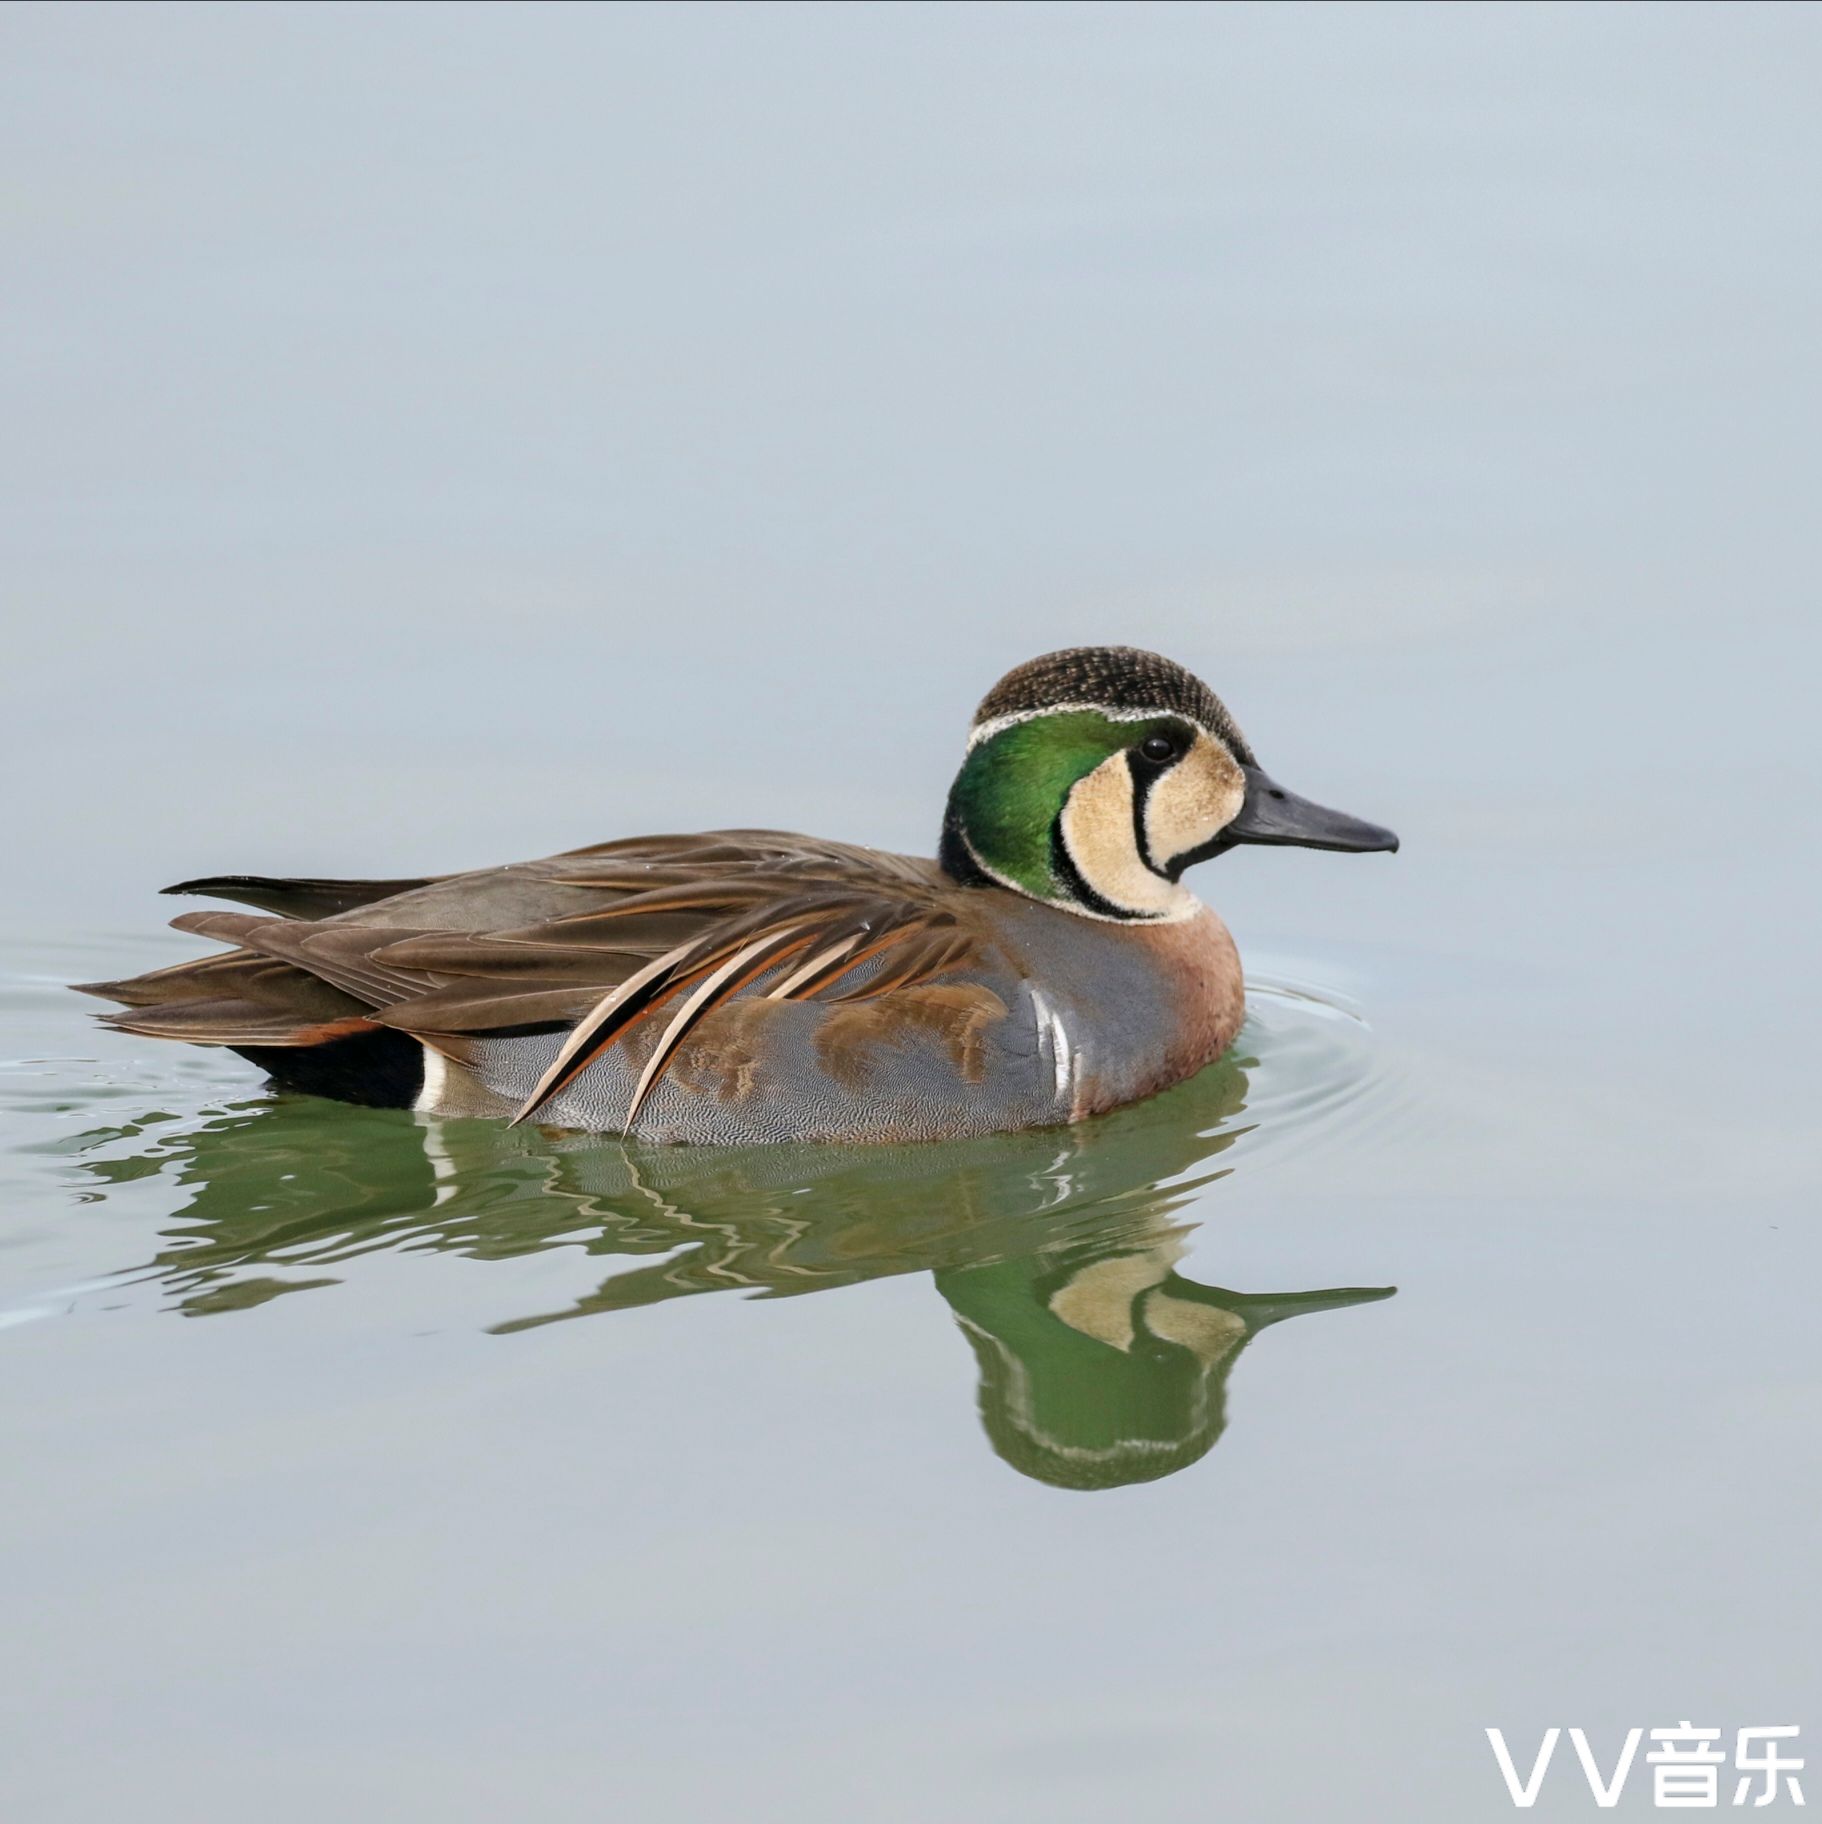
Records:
x=436, y=1080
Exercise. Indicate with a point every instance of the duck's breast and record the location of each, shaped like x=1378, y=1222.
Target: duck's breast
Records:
x=1139, y=1007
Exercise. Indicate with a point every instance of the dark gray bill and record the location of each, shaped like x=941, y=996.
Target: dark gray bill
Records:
x=1273, y=815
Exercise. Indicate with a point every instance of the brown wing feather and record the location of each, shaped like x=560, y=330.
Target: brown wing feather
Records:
x=298, y=898
x=479, y=1006
x=233, y=999
x=233, y=972
x=601, y=940
x=847, y=932
x=232, y=1022
x=340, y=954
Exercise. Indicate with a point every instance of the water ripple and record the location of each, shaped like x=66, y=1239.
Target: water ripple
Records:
x=1316, y=1073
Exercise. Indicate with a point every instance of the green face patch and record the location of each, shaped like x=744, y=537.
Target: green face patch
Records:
x=1012, y=789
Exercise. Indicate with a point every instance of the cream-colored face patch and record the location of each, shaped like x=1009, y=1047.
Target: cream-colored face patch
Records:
x=1194, y=802
x=1098, y=1300
x=1206, y=1331
x=1098, y=832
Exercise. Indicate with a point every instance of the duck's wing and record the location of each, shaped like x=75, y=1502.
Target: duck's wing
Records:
x=298, y=898
x=654, y=933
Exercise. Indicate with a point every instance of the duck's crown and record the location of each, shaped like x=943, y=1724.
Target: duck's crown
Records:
x=1119, y=678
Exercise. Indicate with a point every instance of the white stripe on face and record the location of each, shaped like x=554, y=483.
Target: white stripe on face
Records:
x=985, y=731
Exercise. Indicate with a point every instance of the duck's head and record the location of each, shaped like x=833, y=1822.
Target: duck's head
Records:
x=1095, y=776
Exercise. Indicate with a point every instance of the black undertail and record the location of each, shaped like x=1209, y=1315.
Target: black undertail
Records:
x=378, y=1069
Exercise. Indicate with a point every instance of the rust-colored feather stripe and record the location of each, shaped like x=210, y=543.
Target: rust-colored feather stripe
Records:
x=512, y=960
x=649, y=880
x=845, y=965
x=685, y=896
x=920, y=956
x=231, y=1022
x=823, y=959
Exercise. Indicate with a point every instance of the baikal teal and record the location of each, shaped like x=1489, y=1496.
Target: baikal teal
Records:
x=753, y=986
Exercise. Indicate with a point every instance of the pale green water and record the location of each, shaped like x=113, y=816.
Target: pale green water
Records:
x=281, y=1194
x=439, y=437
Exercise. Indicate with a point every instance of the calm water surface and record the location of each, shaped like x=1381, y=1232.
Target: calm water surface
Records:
x=436, y=437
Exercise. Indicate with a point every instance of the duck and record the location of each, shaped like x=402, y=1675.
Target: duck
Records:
x=743, y=987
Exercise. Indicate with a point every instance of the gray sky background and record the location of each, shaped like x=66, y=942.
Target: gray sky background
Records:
x=432, y=436
x=434, y=433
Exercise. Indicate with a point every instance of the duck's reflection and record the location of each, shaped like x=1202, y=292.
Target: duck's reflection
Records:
x=1100, y=1364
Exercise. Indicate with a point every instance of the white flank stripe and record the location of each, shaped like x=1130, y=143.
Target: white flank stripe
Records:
x=430, y=1097
x=1053, y=1037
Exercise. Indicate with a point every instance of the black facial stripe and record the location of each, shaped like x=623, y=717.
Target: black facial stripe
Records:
x=1144, y=777
x=1218, y=844
x=1062, y=865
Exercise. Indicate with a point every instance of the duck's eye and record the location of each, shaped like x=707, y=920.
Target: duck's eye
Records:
x=1160, y=749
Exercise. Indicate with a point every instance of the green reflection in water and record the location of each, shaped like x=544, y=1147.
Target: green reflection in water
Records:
x=1100, y=1364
